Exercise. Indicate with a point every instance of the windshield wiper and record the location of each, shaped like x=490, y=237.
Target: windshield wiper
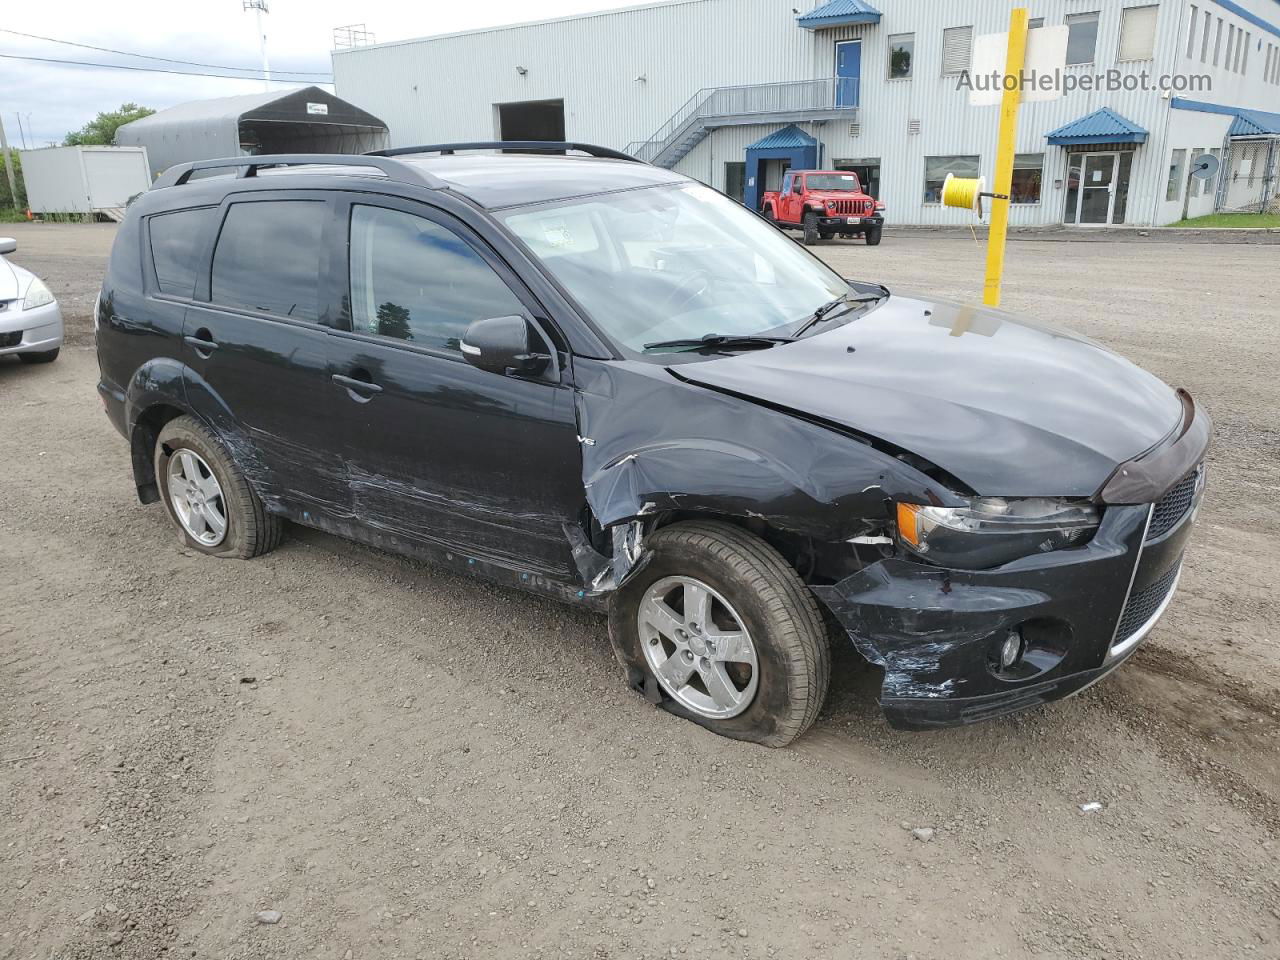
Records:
x=727, y=340
x=827, y=309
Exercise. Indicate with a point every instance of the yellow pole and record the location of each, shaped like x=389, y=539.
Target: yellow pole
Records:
x=1009, y=104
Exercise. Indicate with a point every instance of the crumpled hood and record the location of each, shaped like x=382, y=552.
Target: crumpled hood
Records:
x=1009, y=407
x=13, y=280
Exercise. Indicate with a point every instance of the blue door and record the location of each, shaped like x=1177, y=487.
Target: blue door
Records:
x=848, y=72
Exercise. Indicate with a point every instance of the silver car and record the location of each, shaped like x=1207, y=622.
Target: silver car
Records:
x=30, y=320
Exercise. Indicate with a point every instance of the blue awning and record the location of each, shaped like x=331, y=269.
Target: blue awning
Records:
x=1255, y=123
x=788, y=138
x=838, y=13
x=1101, y=126
x=1247, y=123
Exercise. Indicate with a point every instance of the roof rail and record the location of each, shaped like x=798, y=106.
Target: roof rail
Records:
x=557, y=145
x=180, y=173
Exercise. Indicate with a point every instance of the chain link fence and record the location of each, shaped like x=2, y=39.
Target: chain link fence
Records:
x=1249, y=179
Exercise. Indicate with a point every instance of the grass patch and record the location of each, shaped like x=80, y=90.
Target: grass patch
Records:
x=1255, y=220
x=10, y=215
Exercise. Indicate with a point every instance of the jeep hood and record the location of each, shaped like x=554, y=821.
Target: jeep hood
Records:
x=1008, y=407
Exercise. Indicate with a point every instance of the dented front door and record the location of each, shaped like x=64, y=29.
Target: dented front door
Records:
x=437, y=450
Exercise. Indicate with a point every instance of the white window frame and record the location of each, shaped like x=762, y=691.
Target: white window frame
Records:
x=1085, y=16
x=1154, y=11
x=888, y=68
x=957, y=32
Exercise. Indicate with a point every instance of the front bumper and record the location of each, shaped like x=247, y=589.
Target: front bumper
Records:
x=842, y=224
x=30, y=331
x=1081, y=612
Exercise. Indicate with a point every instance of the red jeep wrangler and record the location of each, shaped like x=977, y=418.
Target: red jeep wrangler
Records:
x=824, y=203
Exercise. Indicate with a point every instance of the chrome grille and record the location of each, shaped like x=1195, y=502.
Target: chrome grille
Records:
x=1173, y=506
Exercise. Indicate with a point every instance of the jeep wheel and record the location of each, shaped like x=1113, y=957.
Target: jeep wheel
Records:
x=873, y=236
x=769, y=215
x=810, y=228
x=720, y=630
x=207, y=497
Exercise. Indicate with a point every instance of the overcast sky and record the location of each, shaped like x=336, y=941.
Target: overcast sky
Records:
x=55, y=98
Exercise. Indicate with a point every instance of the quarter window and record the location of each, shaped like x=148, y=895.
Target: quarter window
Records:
x=1138, y=33
x=1028, y=173
x=936, y=170
x=901, y=51
x=177, y=242
x=414, y=280
x=268, y=258
x=1082, y=37
x=957, y=47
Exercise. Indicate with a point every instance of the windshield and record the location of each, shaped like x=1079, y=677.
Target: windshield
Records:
x=675, y=262
x=831, y=181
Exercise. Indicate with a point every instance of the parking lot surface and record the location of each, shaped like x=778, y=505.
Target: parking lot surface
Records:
x=407, y=763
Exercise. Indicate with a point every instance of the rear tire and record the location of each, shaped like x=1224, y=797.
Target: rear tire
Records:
x=753, y=585
x=44, y=356
x=810, y=228
x=248, y=530
x=769, y=215
x=873, y=236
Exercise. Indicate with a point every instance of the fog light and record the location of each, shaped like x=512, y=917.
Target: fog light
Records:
x=1011, y=651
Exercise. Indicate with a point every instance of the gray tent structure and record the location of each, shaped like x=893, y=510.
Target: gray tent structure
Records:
x=306, y=120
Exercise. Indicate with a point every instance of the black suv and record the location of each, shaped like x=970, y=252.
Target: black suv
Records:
x=603, y=381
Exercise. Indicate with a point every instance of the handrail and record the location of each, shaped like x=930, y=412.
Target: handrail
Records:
x=180, y=173
x=606, y=153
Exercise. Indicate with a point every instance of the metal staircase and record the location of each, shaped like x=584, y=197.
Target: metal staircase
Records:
x=828, y=98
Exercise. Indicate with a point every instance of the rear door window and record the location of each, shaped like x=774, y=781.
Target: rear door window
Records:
x=415, y=280
x=268, y=258
x=177, y=246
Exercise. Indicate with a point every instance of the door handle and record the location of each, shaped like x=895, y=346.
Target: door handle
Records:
x=203, y=343
x=357, y=386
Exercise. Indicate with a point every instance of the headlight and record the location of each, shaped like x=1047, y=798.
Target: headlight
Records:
x=994, y=530
x=38, y=295
x=831, y=204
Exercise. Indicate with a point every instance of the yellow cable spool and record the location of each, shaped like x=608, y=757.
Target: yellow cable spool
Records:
x=963, y=193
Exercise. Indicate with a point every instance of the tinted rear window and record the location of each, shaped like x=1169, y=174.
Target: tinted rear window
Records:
x=177, y=244
x=268, y=258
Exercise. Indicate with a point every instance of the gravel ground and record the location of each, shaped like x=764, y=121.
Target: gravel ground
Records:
x=402, y=762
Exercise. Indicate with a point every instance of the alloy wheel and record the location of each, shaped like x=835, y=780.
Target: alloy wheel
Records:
x=197, y=498
x=698, y=648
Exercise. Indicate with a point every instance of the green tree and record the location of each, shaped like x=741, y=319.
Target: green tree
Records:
x=393, y=321
x=6, y=201
x=101, y=130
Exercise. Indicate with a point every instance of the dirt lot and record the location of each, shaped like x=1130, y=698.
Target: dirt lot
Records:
x=407, y=763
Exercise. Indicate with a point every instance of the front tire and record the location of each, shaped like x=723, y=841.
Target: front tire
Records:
x=723, y=630
x=810, y=228
x=207, y=496
x=44, y=356
x=873, y=236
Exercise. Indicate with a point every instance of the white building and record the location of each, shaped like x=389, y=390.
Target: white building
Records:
x=734, y=91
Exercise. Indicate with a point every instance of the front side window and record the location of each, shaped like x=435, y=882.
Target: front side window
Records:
x=414, y=280
x=1082, y=37
x=936, y=170
x=177, y=243
x=268, y=258
x=1138, y=33
x=673, y=262
x=901, y=50
x=1028, y=172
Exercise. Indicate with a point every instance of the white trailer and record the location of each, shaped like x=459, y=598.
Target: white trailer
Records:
x=84, y=179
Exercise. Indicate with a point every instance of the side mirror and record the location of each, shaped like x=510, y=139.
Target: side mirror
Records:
x=8, y=245
x=504, y=345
